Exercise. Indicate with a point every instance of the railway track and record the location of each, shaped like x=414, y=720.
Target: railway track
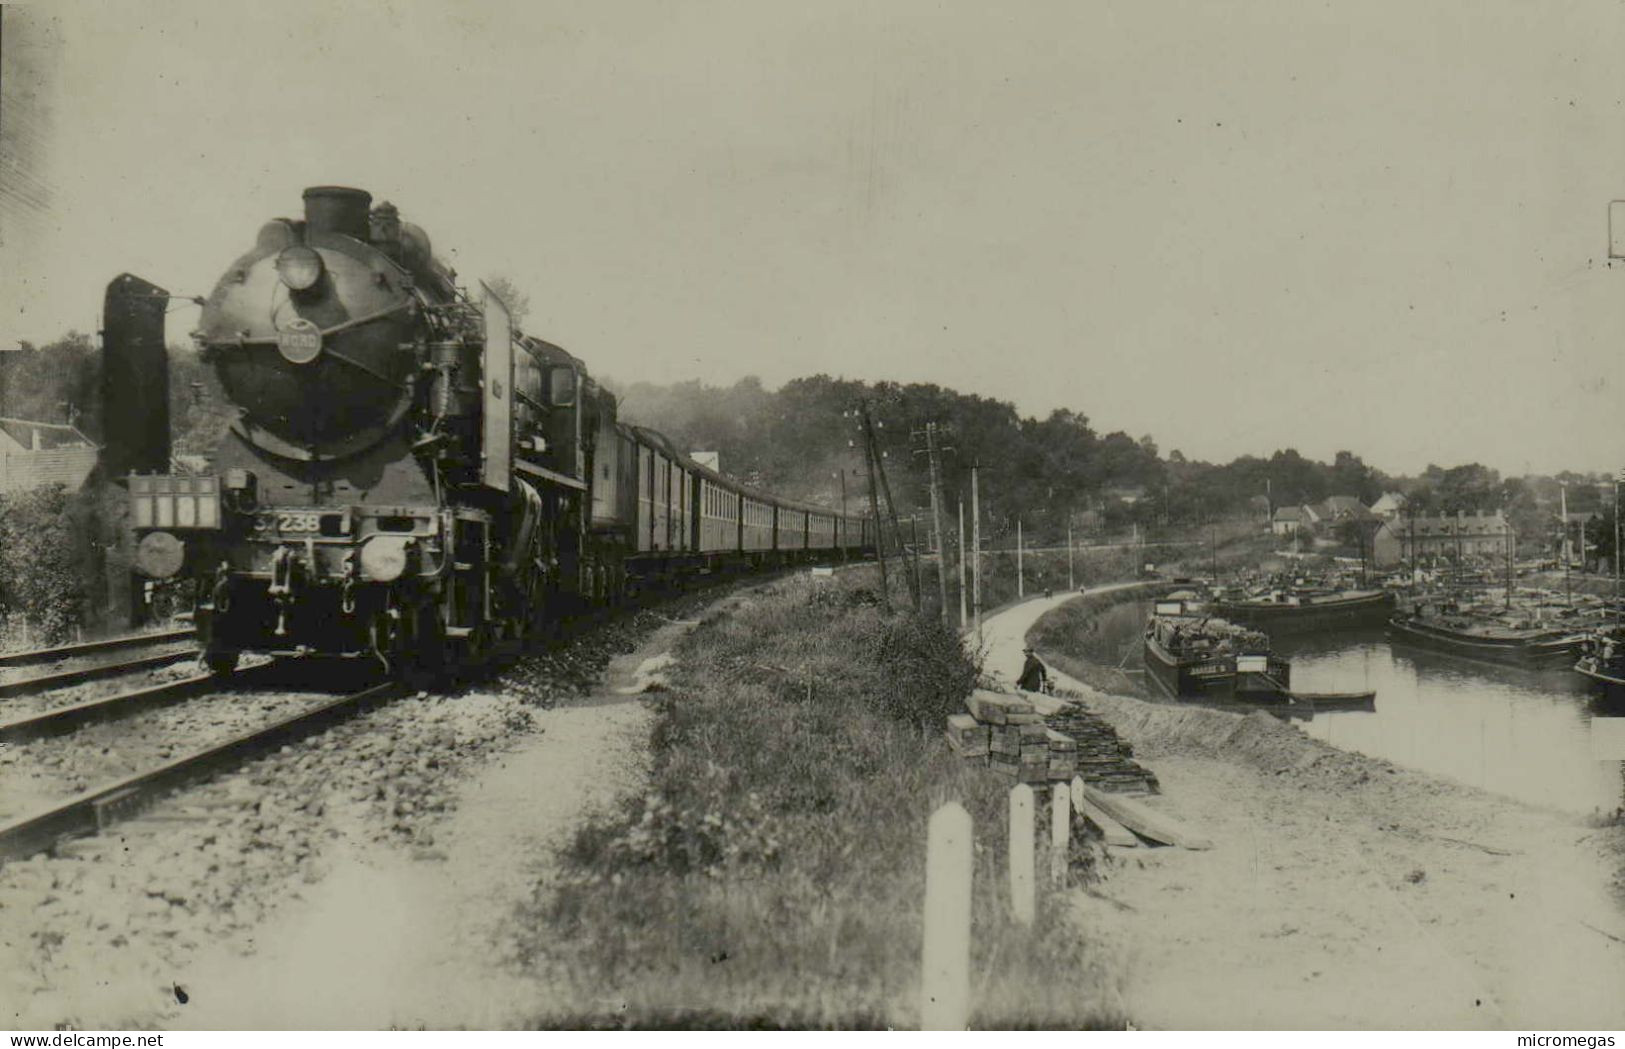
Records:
x=37, y=656
x=60, y=720
x=95, y=672
x=93, y=810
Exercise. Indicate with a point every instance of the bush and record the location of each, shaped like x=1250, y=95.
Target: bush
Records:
x=925, y=673
x=42, y=589
x=771, y=875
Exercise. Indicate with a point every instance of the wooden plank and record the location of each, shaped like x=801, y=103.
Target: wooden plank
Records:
x=1145, y=821
x=981, y=710
x=1115, y=833
x=1047, y=705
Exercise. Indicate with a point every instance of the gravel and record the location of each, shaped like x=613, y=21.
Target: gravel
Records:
x=90, y=936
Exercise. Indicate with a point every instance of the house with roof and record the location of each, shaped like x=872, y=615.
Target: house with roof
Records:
x=1389, y=505
x=35, y=454
x=1444, y=537
x=1336, y=508
x=1288, y=520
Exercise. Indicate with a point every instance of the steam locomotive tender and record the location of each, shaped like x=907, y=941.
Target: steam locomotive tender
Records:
x=409, y=478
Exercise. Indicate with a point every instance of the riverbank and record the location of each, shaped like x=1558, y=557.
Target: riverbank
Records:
x=1348, y=892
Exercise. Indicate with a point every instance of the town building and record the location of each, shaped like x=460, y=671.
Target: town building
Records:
x=1289, y=520
x=1390, y=505
x=34, y=454
x=1444, y=537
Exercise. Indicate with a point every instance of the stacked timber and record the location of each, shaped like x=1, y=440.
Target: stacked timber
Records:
x=967, y=737
x=1040, y=740
x=1103, y=759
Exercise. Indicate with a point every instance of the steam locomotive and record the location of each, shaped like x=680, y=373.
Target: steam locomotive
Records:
x=410, y=479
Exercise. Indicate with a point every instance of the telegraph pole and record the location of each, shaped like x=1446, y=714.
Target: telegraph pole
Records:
x=885, y=488
x=1563, y=489
x=963, y=618
x=1070, y=585
x=976, y=550
x=874, y=512
x=936, y=517
x=1021, y=579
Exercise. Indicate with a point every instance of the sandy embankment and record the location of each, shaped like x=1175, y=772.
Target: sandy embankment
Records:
x=1346, y=892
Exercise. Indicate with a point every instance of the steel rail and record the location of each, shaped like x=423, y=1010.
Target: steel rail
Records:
x=61, y=720
x=80, y=675
x=96, y=809
x=89, y=648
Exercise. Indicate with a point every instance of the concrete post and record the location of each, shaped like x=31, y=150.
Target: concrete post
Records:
x=1023, y=901
x=945, y=954
x=1060, y=827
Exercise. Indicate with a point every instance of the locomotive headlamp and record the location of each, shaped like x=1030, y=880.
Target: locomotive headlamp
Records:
x=299, y=267
x=383, y=557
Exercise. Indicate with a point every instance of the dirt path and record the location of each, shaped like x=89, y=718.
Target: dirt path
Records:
x=407, y=941
x=1345, y=892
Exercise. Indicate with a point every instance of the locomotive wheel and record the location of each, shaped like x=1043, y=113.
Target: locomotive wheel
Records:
x=422, y=657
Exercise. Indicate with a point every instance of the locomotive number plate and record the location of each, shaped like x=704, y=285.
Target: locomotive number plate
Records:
x=300, y=341
x=291, y=522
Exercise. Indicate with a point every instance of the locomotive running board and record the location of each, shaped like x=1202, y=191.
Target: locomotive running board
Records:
x=549, y=475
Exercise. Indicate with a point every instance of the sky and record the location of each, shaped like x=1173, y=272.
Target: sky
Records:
x=1376, y=225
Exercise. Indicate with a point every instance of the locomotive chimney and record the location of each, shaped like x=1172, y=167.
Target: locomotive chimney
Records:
x=337, y=209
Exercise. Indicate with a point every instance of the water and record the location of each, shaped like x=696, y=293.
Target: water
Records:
x=1524, y=734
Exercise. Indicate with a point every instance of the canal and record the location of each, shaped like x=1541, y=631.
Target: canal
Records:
x=1520, y=733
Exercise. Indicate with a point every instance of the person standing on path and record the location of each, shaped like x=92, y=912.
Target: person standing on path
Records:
x=1033, y=672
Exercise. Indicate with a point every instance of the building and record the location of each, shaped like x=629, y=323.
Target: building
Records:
x=1289, y=520
x=1389, y=505
x=1572, y=528
x=33, y=455
x=1443, y=537
x=1336, y=508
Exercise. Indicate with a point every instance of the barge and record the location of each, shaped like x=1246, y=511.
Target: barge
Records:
x=1304, y=609
x=1195, y=655
x=1496, y=640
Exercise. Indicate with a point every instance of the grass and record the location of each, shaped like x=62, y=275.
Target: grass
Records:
x=1060, y=634
x=772, y=875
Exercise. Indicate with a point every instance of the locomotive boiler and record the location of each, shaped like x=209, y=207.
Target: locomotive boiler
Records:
x=410, y=479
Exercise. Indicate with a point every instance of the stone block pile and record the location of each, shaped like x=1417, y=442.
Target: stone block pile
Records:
x=1038, y=740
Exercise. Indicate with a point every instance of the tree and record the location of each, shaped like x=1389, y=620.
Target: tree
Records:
x=59, y=382
x=518, y=302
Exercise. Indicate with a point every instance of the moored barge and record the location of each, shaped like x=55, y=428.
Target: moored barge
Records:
x=1482, y=637
x=1191, y=654
x=1301, y=609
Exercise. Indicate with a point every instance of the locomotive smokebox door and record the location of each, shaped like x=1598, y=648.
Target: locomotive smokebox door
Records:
x=497, y=369
x=135, y=378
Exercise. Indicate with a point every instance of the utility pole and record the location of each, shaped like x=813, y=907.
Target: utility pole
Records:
x=1070, y=585
x=1021, y=578
x=874, y=511
x=976, y=550
x=885, y=488
x=936, y=517
x=963, y=617
x=919, y=561
x=1563, y=490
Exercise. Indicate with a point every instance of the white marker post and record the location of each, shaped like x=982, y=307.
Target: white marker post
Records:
x=1060, y=833
x=1023, y=903
x=945, y=954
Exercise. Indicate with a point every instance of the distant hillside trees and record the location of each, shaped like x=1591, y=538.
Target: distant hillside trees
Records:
x=59, y=382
